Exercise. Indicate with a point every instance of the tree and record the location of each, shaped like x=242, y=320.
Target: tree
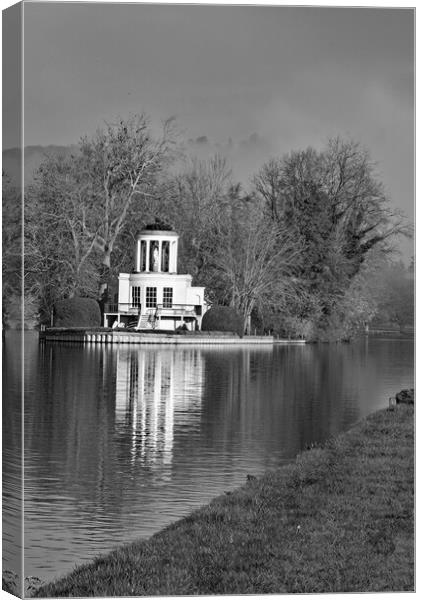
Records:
x=333, y=204
x=11, y=250
x=256, y=260
x=362, y=213
x=395, y=295
x=81, y=206
x=60, y=259
x=120, y=166
x=60, y=214
x=196, y=200
x=48, y=276
x=227, y=242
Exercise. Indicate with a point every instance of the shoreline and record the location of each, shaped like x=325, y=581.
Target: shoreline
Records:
x=86, y=335
x=338, y=519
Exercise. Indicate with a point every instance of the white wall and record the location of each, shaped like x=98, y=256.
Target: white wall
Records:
x=183, y=293
x=123, y=291
x=195, y=295
x=179, y=283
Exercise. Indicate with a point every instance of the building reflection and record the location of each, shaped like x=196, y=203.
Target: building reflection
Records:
x=156, y=388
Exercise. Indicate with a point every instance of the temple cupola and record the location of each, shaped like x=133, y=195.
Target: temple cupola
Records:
x=156, y=250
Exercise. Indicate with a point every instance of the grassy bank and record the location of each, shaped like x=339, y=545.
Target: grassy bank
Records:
x=339, y=519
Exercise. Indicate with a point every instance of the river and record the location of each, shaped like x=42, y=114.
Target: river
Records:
x=121, y=441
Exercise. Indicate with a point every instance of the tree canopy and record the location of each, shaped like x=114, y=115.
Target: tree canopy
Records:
x=332, y=202
x=294, y=251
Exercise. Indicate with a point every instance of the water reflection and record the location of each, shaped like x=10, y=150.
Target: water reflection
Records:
x=156, y=389
x=12, y=483
x=120, y=441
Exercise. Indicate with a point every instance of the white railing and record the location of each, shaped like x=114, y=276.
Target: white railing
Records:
x=160, y=309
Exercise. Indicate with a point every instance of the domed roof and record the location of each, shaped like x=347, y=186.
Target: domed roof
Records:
x=158, y=228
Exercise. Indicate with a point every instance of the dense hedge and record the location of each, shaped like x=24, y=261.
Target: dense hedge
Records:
x=77, y=312
x=223, y=318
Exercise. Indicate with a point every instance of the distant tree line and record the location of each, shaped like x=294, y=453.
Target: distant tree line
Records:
x=296, y=254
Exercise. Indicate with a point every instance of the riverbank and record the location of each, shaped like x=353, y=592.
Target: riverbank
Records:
x=339, y=519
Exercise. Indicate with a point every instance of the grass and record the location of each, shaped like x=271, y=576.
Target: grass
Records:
x=340, y=519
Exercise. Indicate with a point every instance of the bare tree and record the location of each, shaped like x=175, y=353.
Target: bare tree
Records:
x=11, y=248
x=257, y=260
x=120, y=166
x=79, y=205
x=60, y=211
x=196, y=200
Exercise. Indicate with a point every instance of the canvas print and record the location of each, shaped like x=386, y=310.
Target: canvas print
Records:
x=208, y=299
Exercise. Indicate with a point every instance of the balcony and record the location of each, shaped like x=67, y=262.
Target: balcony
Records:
x=175, y=310
x=127, y=308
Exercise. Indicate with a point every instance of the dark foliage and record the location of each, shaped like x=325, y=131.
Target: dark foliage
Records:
x=158, y=225
x=77, y=312
x=223, y=318
x=334, y=205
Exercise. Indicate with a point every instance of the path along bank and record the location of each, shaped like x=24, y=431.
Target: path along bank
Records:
x=338, y=519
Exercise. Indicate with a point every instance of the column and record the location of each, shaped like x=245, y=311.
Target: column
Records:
x=138, y=256
x=159, y=256
x=172, y=268
x=174, y=255
x=148, y=244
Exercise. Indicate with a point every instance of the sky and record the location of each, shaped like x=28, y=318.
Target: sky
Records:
x=256, y=81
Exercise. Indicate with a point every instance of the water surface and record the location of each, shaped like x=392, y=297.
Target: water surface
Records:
x=120, y=441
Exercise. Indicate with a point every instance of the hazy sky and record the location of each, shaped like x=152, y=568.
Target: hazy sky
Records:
x=294, y=76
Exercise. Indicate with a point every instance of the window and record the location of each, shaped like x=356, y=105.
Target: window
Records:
x=150, y=297
x=167, y=297
x=135, y=296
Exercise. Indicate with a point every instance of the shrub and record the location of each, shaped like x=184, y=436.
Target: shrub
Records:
x=77, y=312
x=223, y=318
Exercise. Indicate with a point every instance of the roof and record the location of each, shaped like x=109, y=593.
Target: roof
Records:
x=157, y=233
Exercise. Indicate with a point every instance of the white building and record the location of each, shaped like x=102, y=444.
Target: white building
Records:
x=154, y=294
